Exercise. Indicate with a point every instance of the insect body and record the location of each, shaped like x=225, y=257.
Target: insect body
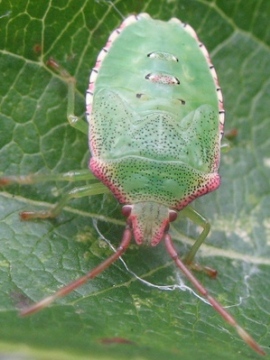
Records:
x=156, y=117
x=155, y=122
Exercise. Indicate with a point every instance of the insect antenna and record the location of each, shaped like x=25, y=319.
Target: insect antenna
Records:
x=127, y=235
x=203, y=291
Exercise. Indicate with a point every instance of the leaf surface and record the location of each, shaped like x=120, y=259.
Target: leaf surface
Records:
x=37, y=257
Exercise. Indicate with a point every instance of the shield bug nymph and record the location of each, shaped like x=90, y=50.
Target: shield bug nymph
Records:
x=155, y=115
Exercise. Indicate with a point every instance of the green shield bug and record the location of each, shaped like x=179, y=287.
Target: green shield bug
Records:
x=156, y=117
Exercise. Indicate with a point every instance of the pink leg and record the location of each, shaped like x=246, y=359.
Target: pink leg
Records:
x=77, y=283
x=216, y=305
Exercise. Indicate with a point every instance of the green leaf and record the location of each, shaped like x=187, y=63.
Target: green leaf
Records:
x=38, y=257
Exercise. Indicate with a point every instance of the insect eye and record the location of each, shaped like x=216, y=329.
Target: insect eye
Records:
x=126, y=210
x=172, y=215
